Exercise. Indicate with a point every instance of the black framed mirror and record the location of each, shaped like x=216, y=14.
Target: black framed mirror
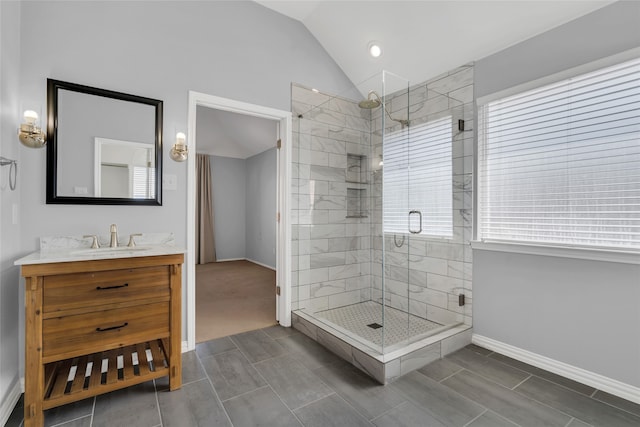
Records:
x=103, y=147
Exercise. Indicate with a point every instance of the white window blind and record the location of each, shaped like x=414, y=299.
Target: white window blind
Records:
x=561, y=164
x=418, y=176
x=144, y=182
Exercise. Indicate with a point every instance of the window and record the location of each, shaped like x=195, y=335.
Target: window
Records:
x=561, y=164
x=418, y=176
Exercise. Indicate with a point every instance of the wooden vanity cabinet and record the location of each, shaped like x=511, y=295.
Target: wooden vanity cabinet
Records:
x=97, y=326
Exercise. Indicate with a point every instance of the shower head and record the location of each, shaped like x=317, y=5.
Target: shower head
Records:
x=374, y=101
x=370, y=103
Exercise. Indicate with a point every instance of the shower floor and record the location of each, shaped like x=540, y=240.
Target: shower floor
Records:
x=398, y=325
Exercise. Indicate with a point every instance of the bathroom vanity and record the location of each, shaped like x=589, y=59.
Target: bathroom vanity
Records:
x=97, y=320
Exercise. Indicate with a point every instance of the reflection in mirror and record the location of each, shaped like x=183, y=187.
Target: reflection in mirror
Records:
x=105, y=147
x=124, y=169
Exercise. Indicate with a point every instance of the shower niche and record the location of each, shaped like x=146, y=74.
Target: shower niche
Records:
x=357, y=203
x=356, y=179
x=356, y=169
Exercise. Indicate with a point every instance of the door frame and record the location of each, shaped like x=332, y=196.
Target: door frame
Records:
x=283, y=235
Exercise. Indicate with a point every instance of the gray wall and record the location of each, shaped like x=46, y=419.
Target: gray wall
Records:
x=261, y=198
x=599, y=34
x=584, y=313
x=244, y=204
x=10, y=115
x=229, y=206
x=159, y=50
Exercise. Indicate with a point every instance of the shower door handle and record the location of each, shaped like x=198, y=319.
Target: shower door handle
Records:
x=420, y=215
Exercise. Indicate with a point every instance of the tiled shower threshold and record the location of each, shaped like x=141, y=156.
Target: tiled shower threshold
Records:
x=385, y=368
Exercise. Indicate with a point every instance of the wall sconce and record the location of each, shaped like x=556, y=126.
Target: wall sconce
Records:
x=179, y=151
x=30, y=134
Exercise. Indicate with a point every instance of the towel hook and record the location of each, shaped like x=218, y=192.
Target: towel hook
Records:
x=13, y=171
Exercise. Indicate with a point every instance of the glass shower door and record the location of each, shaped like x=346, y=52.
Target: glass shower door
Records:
x=423, y=252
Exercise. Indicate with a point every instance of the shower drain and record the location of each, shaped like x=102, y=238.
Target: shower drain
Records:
x=375, y=325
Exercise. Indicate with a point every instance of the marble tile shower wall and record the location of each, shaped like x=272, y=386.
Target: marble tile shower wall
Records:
x=437, y=270
x=331, y=246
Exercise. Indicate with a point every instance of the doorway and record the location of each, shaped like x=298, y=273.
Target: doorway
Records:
x=282, y=119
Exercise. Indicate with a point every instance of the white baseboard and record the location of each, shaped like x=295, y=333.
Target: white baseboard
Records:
x=247, y=259
x=185, y=346
x=9, y=402
x=261, y=264
x=600, y=382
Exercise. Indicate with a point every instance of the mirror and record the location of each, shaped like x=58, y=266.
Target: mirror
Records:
x=103, y=148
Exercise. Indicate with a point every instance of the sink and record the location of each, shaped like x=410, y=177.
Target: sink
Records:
x=107, y=251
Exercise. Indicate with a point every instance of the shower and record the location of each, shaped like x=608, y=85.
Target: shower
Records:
x=373, y=101
x=372, y=279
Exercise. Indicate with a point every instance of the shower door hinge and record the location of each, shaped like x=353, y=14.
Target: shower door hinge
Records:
x=278, y=290
x=279, y=144
x=460, y=300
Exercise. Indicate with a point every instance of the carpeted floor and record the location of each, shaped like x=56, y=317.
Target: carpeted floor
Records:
x=233, y=297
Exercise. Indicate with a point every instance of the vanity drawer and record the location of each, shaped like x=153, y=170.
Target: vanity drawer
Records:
x=69, y=336
x=78, y=290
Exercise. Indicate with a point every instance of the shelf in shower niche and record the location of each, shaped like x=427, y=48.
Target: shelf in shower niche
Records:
x=356, y=202
x=357, y=183
x=356, y=168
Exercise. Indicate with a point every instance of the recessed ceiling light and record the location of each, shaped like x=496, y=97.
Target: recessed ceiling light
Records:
x=374, y=49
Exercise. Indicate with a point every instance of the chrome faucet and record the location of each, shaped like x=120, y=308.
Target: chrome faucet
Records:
x=114, y=236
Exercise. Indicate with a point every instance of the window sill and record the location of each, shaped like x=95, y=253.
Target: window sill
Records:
x=625, y=257
x=418, y=237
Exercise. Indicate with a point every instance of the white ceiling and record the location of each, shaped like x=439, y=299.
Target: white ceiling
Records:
x=420, y=40
x=423, y=39
x=227, y=134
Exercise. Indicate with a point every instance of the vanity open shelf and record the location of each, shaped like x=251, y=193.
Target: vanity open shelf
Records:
x=98, y=325
x=69, y=380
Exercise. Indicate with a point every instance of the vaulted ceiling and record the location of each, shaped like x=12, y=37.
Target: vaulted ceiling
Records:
x=420, y=40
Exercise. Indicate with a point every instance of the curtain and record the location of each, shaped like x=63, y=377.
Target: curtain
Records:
x=205, y=243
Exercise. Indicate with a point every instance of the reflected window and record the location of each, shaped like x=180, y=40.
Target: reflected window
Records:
x=144, y=182
x=124, y=169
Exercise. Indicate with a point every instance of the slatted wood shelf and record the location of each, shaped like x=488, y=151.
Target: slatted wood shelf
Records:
x=70, y=380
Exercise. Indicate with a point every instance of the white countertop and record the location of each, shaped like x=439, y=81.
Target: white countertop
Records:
x=88, y=254
x=78, y=248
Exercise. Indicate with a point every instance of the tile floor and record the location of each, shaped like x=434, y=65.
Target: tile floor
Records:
x=279, y=377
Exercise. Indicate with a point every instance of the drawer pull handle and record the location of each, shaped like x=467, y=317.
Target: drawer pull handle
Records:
x=112, y=328
x=100, y=288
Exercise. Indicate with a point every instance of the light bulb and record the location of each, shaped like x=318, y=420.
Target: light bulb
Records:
x=30, y=117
